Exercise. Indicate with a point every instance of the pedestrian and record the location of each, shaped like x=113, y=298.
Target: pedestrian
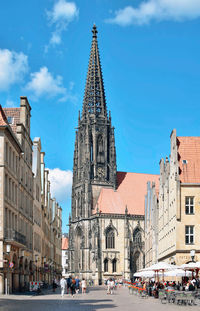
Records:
x=69, y=279
x=84, y=286
x=73, y=287
x=63, y=285
x=54, y=285
x=108, y=286
x=112, y=285
x=77, y=284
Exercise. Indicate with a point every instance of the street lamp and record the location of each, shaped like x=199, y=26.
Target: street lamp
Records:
x=8, y=248
x=192, y=254
x=36, y=260
x=44, y=261
x=7, y=285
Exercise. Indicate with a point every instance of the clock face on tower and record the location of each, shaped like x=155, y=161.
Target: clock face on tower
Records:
x=100, y=172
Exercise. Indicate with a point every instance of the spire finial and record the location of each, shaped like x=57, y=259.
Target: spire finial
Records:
x=94, y=31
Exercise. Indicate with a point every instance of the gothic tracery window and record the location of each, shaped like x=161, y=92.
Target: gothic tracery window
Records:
x=100, y=150
x=137, y=236
x=110, y=238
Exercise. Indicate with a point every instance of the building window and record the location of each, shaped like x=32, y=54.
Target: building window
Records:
x=189, y=205
x=106, y=265
x=189, y=234
x=10, y=120
x=137, y=236
x=114, y=265
x=110, y=239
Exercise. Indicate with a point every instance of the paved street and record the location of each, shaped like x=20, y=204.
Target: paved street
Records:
x=95, y=300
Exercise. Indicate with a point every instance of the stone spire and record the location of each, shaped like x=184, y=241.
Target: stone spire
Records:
x=94, y=103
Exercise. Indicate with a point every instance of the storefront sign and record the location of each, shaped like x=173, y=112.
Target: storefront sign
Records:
x=33, y=286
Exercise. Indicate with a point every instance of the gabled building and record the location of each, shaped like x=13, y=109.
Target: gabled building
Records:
x=151, y=223
x=30, y=231
x=65, y=255
x=179, y=201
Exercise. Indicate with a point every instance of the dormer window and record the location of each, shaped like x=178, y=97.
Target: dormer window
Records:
x=184, y=161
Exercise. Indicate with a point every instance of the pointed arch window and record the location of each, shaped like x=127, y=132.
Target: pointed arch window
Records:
x=106, y=265
x=110, y=238
x=137, y=238
x=100, y=149
x=114, y=265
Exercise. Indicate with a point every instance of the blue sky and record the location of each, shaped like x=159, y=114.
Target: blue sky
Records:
x=151, y=66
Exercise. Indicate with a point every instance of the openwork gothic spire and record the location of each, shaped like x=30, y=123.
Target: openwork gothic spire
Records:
x=94, y=103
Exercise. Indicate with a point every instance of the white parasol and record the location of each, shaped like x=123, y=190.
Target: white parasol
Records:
x=145, y=274
x=178, y=272
x=191, y=266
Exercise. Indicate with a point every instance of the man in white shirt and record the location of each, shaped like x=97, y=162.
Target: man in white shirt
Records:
x=108, y=286
x=112, y=286
x=63, y=284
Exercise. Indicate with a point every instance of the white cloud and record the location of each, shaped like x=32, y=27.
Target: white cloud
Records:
x=13, y=67
x=61, y=183
x=10, y=103
x=55, y=38
x=44, y=84
x=176, y=10
x=62, y=13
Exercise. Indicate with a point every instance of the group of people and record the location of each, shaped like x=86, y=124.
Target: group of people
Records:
x=152, y=288
x=72, y=285
x=111, y=286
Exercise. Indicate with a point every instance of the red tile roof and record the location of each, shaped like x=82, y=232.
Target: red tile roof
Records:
x=65, y=242
x=130, y=192
x=3, y=119
x=189, y=150
x=15, y=114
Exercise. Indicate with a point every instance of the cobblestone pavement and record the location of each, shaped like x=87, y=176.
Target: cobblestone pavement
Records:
x=95, y=300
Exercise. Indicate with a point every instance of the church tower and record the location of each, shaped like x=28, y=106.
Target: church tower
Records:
x=94, y=164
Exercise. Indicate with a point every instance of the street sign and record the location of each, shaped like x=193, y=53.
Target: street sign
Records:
x=11, y=264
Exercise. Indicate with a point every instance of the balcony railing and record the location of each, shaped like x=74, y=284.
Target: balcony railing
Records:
x=13, y=235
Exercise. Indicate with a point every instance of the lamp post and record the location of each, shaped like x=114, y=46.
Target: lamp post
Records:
x=36, y=261
x=192, y=254
x=7, y=279
x=44, y=261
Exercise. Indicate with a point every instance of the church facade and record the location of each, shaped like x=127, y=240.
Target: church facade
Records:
x=106, y=226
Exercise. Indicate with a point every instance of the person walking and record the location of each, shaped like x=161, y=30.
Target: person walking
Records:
x=69, y=280
x=73, y=287
x=77, y=284
x=54, y=285
x=63, y=284
x=112, y=286
x=84, y=286
x=108, y=286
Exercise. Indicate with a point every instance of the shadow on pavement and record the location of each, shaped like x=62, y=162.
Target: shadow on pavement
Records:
x=67, y=304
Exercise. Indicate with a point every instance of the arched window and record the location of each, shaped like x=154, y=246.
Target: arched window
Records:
x=137, y=236
x=100, y=150
x=114, y=265
x=106, y=265
x=110, y=238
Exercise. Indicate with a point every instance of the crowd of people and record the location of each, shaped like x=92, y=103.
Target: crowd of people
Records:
x=72, y=285
x=152, y=288
x=112, y=284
